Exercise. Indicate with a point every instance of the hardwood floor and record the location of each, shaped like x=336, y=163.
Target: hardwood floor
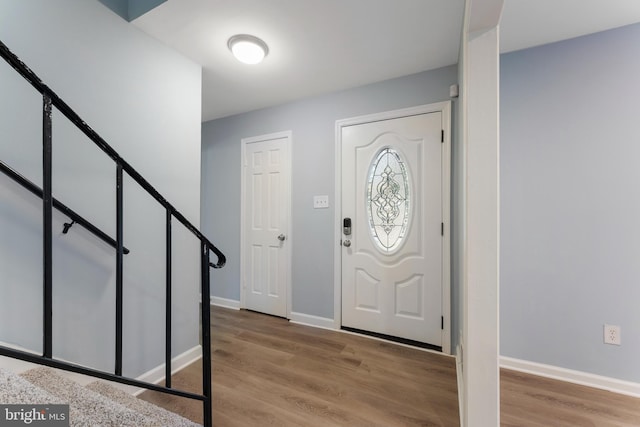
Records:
x=533, y=401
x=270, y=372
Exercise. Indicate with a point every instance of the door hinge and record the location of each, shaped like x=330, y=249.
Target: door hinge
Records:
x=442, y=228
x=442, y=135
x=442, y=322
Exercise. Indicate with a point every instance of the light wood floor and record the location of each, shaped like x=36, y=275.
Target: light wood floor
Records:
x=532, y=401
x=270, y=372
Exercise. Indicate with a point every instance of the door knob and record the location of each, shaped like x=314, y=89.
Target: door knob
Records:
x=347, y=243
x=281, y=237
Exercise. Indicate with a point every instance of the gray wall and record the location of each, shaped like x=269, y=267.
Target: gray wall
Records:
x=144, y=99
x=313, y=124
x=131, y=9
x=570, y=247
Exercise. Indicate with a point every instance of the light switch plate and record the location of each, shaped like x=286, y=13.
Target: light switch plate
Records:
x=320, y=202
x=612, y=334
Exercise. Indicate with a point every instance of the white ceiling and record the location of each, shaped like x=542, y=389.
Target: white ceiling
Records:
x=319, y=46
x=527, y=23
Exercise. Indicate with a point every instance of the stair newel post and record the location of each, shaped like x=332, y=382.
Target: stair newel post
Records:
x=119, y=266
x=167, y=356
x=47, y=227
x=206, y=336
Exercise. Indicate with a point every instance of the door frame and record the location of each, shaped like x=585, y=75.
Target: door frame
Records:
x=445, y=109
x=288, y=136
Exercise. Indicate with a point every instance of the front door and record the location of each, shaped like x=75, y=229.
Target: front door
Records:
x=393, y=197
x=265, y=212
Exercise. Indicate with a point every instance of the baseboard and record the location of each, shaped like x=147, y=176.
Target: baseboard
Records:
x=226, y=303
x=156, y=375
x=153, y=376
x=576, y=377
x=310, y=320
x=17, y=366
x=460, y=381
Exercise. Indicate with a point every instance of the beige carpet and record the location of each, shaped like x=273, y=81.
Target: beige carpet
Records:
x=98, y=404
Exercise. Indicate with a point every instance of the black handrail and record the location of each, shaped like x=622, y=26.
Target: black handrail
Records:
x=62, y=106
x=75, y=217
x=50, y=99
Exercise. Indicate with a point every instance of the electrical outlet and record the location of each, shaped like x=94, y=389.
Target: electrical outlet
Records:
x=612, y=334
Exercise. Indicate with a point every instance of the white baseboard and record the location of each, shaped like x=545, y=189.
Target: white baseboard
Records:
x=576, y=377
x=17, y=366
x=153, y=376
x=310, y=320
x=460, y=381
x=178, y=363
x=226, y=303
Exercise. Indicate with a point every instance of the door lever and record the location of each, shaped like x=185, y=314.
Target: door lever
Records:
x=281, y=237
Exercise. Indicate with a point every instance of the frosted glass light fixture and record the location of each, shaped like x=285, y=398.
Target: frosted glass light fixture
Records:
x=248, y=49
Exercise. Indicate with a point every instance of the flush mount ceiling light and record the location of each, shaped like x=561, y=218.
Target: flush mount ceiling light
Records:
x=248, y=49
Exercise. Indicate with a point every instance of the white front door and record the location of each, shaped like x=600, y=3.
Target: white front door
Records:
x=265, y=225
x=393, y=192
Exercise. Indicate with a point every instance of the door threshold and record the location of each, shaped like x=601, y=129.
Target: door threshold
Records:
x=265, y=314
x=399, y=340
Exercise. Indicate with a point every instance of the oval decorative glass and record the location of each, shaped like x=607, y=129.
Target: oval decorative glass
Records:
x=388, y=200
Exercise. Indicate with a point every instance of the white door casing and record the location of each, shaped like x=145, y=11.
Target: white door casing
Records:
x=265, y=224
x=404, y=290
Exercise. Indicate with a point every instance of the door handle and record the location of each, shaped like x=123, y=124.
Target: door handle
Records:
x=281, y=237
x=346, y=243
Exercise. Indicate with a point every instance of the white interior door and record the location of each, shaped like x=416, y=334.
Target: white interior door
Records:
x=265, y=228
x=392, y=262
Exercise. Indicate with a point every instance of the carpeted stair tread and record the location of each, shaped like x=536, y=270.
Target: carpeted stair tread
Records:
x=88, y=408
x=160, y=415
x=15, y=390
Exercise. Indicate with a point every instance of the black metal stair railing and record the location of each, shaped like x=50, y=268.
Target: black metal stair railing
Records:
x=75, y=217
x=50, y=99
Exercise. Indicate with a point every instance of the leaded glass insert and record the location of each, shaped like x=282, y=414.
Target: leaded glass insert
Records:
x=388, y=200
